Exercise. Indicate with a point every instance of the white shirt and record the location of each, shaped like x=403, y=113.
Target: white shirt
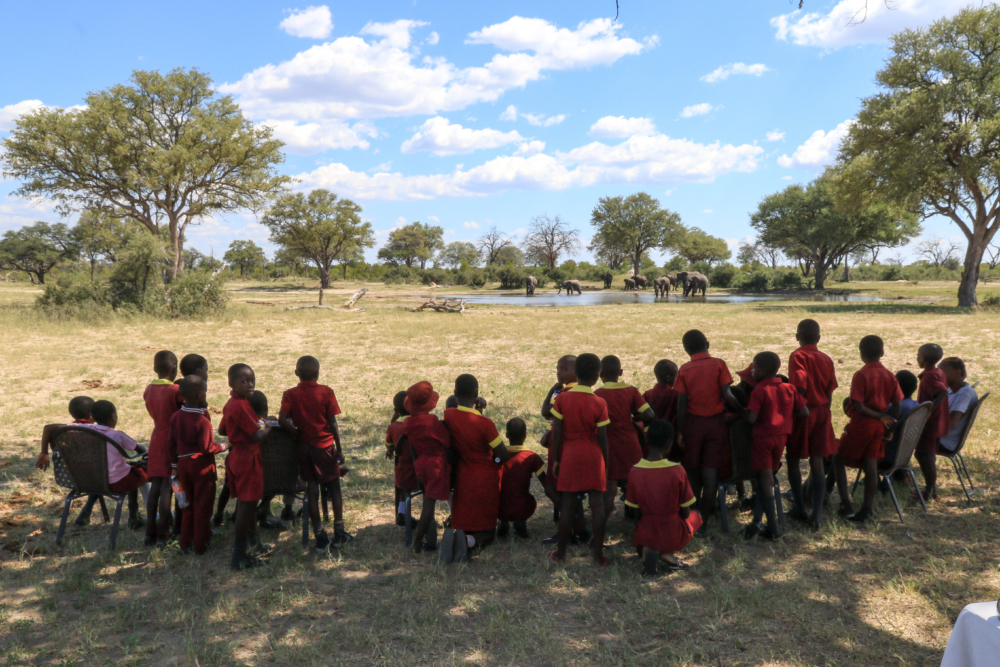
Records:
x=959, y=401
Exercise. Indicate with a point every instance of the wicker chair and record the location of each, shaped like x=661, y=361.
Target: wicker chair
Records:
x=740, y=435
x=279, y=456
x=956, y=457
x=84, y=453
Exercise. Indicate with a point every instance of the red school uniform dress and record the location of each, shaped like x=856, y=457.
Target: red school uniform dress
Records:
x=476, y=503
x=162, y=399
x=774, y=402
x=938, y=424
x=516, y=501
x=624, y=448
x=662, y=398
x=312, y=406
x=706, y=438
x=582, y=465
x=192, y=450
x=660, y=489
x=430, y=440
x=244, y=473
x=877, y=388
x=549, y=471
x=812, y=370
x=404, y=474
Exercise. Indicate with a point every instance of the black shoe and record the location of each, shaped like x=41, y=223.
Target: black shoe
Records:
x=288, y=514
x=271, y=522
x=750, y=531
x=503, y=530
x=149, y=541
x=461, y=553
x=801, y=517
x=218, y=520
x=845, y=510
x=400, y=519
x=862, y=516
x=747, y=504
x=649, y=563
x=769, y=534
x=246, y=563
x=446, y=554
x=136, y=522
x=583, y=538
x=322, y=543
x=521, y=530
x=341, y=538
x=82, y=520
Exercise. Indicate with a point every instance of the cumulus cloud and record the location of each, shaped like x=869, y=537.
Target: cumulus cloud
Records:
x=708, y=210
x=819, y=150
x=724, y=72
x=852, y=22
x=530, y=148
x=696, y=110
x=354, y=77
x=442, y=137
x=470, y=225
x=541, y=120
x=433, y=38
x=311, y=138
x=775, y=135
x=616, y=127
x=12, y=112
x=510, y=113
x=312, y=22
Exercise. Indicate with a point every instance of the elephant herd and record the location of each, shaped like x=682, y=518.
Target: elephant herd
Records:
x=691, y=282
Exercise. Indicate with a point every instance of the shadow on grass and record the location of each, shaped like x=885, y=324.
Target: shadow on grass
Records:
x=891, y=308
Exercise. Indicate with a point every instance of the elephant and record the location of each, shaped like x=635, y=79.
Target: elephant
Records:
x=607, y=277
x=641, y=282
x=680, y=279
x=629, y=285
x=530, y=283
x=569, y=286
x=695, y=282
x=672, y=277
x=661, y=286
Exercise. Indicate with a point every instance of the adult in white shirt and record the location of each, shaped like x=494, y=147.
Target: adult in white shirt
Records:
x=961, y=399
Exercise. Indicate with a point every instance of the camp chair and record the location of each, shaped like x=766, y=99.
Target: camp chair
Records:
x=279, y=456
x=410, y=495
x=84, y=453
x=956, y=457
x=912, y=425
x=739, y=454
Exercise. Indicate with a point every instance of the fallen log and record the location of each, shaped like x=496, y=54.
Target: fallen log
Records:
x=307, y=307
x=441, y=306
x=261, y=303
x=349, y=304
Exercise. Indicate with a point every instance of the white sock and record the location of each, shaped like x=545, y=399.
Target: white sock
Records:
x=144, y=490
x=470, y=540
x=402, y=508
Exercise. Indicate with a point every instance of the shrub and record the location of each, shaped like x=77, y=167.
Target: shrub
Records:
x=722, y=275
x=990, y=301
x=892, y=272
x=72, y=296
x=651, y=275
x=557, y=275
x=436, y=276
x=789, y=280
x=756, y=281
x=196, y=294
x=510, y=277
x=397, y=275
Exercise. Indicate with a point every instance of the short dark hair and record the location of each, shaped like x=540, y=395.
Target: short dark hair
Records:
x=258, y=401
x=665, y=370
x=466, y=386
x=192, y=363
x=871, y=346
x=740, y=396
x=190, y=385
x=587, y=367
x=932, y=351
x=769, y=362
x=808, y=331
x=397, y=403
x=236, y=369
x=102, y=411
x=660, y=434
x=308, y=366
x=907, y=382
x=164, y=362
x=80, y=407
x=517, y=430
x=956, y=364
x=611, y=365
x=694, y=341
x=451, y=402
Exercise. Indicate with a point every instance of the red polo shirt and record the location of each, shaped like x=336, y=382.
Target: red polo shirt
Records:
x=702, y=380
x=240, y=421
x=874, y=386
x=476, y=501
x=427, y=435
x=624, y=450
x=774, y=402
x=191, y=433
x=932, y=382
x=812, y=370
x=663, y=399
x=312, y=406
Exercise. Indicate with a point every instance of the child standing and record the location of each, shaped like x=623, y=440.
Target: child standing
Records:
x=429, y=439
x=662, y=398
x=163, y=399
x=873, y=390
x=404, y=475
x=772, y=406
x=934, y=388
x=565, y=380
x=580, y=451
x=517, y=505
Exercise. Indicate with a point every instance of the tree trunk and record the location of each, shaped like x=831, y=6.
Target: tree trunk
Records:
x=847, y=270
x=92, y=263
x=41, y=279
x=324, y=278
x=345, y=271
x=176, y=251
x=820, y=269
x=970, y=273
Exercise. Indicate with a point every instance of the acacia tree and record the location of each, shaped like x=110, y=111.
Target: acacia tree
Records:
x=102, y=238
x=491, y=243
x=318, y=226
x=245, y=255
x=937, y=251
x=36, y=249
x=457, y=252
x=610, y=255
x=165, y=151
x=548, y=239
x=930, y=140
x=696, y=245
x=413, y=244
x=634, y=225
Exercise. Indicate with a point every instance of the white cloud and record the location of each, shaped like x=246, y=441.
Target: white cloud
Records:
x=442, y=137
x=311, y=138
x=708, y=210
x=819, y=150
x=696, y=110
x=786, y=178
x=312, y=22
x=853, y=22
x=724, y=72
x=510, y=113
x=433, y=38
x=12, y=112
x=470, y=225
x=434, y=218
x=351, y=77
x=615, y=127
x=529, y=148
x=775, y=135
x=541, y=120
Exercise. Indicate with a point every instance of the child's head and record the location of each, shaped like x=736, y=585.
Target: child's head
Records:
x=517, y=431
x=80, y=407
x=694, y=342
x=566, y=369
x=194, y=364
x=466, y=387
x=659, y=436
x=421, y=398
x=807, y=332
x=611, y=368
x=907, y=382
x=451, y=402
x=588, y=369
x=193, y=390
x=307, y=369
x=872, y=348
x=397, y=404
x=929, y=354
x=765, y=365
x=258, y=401
x=740, y=396
x=665, y=371
x=165, y=364
x=242, y=380
x=104, y=413
x=954, y=371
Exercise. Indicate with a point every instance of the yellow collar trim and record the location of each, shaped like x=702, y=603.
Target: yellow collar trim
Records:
x=582, y=389
x=514, y=449
x=462, y=408
x=662, y=463
x=161, y=381
x=615, y=385
x=569, y=385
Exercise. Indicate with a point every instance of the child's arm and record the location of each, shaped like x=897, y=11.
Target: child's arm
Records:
x=646, y=415
x=684, y=512
x=602, y=442
x=336, y=437
x=726, y=392
x=938, y=399
x=42, y=462
x=261, y=433
x=285, y=424
x=802, y=412
x=887, y=420
x=500, y=452
x=555, y=445
x=547, y=403
x=751, y=416
x=682, y=411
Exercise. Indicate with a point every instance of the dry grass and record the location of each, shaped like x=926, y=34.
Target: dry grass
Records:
x=886, y=595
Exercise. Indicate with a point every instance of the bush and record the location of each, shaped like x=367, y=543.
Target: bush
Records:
x=557, y=275
x=788, y=280
x=756, y=281
x=722, y=275
x=73, y=296
x=436, y=276
x=990, y=301
x=651, y=275
x=196, y=294
x=510, y=277
x=398, y=275
x=892, y=272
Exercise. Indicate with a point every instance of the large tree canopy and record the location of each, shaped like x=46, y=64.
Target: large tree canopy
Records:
x=165, y=151
x=412, y=244
x=319, y=226
x=36, y=249
x=457, y=252
x=245, y=255
x=102, y=237
x=548, y=239
x=696, y=245
x=632, y=226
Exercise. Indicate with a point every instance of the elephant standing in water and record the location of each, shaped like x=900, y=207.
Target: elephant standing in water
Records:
x=629, y=285
x=530, y=283
x=672, y=277
x=607, y=278
x=640, y=282
x=661, y=286
x=569, y=286
x=695, y=282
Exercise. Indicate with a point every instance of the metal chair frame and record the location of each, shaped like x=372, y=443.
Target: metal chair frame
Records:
x=279, y=456
x=956, y=457
x=739, y=455
x=410, y=495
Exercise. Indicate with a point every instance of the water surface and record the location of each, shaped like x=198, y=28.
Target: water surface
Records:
x=550, y=299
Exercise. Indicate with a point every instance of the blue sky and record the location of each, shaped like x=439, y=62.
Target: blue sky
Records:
x=472, y=118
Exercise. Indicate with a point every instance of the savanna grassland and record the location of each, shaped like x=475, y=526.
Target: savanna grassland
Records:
x=886, y=594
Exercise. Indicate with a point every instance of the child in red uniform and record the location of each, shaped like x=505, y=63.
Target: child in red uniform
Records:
x=873, y=390
x=933, y=387
x=192, y=453
x=660, y=492
x=244, y=473
x=624, y=449
x=704, y=387
x=565, y=380
x=812, y=373
x=404, y=475
x=429, y=441
x=162, y=398
x=580, y=450
x=517, y=505
x=309, y=411
x=475, y=504
x=772, y=406
x=662, y=398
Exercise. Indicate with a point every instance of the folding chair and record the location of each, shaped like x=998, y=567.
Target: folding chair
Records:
x=739, y=455
x=84, y=453
x=912, y=425
x=956, y=457
x=279, y=456
x=410, y=495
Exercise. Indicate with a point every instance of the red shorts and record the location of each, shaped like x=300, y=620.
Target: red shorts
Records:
x=405, y=475
x=158, y=460
x=862, y=439
x=766, y=451
x=813, y=435
x=928, y=443
x=135, y=478
x=434, y=473
x=318, y=464
x=706, y=442
x=245, y=474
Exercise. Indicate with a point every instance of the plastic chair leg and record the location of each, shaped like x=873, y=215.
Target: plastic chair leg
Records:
x=118, y=518
x=920, y=495
x=65, y=515
x=968, y=477
x=104, y=510
x=778, y=507
x=895, y=500
x=305, y=521
x=723, y=514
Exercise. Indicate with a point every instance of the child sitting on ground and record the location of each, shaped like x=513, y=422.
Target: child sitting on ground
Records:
x=659, y=491
x=961, y=399
x=163, y=399
x=404, y=475
x=79, y=410
x=429, y=439
x=662, y=398
x=934, y=388
x=517, y=505
x=908, y=385
x=122, y=477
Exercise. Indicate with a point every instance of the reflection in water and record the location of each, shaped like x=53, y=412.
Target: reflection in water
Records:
x=543, y=299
